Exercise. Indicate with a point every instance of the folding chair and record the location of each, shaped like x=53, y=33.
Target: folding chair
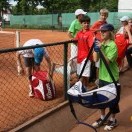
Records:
x=71, y=69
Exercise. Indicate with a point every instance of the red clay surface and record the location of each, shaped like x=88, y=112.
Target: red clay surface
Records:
x=16, y=107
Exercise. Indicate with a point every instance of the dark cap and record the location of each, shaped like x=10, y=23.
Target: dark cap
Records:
x=107, y=27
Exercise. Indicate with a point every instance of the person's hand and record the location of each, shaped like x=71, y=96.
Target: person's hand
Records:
x=96, y=45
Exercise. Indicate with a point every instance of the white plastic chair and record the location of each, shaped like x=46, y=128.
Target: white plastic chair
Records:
x=71, y=69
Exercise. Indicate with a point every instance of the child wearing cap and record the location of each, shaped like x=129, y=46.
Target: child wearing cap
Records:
x=72, y=31
x=85, y=40
x=123, y=40
x=32, y=59
x=109, y=50
x=102, y=20
x=124, y=22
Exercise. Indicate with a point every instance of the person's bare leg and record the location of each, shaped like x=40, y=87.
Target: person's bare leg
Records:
x=29, y=74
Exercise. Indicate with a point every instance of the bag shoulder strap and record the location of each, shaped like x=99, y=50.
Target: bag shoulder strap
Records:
x=107, y=67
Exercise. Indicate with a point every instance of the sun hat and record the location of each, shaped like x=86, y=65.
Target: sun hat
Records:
x=107, y=27
x=79, y=11
x=124, y=18
x=38, y=55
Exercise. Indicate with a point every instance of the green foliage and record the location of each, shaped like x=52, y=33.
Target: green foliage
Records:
x=28, y=7
x=4, y=5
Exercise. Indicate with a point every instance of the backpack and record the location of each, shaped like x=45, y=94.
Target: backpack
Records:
x=43, y=89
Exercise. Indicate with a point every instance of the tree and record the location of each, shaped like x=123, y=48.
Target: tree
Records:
x=25, y=7
x=4, y=6
x=62, y=6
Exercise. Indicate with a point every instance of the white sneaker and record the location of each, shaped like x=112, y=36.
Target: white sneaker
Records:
x=31, y=94
x=98, y=123
x=111, y=125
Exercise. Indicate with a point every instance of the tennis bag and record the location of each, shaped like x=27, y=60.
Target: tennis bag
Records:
x=98, y=98
x=43, y=89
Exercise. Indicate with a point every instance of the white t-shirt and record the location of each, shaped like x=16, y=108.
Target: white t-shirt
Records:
x=29, y=52
x=121, y=30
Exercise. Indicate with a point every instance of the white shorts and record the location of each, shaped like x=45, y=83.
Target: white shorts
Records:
x=86, y=72
x=73, y=51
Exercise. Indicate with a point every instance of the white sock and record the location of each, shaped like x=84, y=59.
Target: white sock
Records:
x=102, y=117
x=112, y=119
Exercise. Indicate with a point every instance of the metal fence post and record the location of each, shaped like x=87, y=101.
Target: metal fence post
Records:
x=65, y=69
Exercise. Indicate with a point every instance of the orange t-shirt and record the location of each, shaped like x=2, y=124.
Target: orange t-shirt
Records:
x=96, y=26
x=85, y=42
x=122, y=44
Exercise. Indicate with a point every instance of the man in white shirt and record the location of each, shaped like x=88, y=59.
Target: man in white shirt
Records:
x=32, y=59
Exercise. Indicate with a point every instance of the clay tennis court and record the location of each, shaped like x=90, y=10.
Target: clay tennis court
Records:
x=16, y=106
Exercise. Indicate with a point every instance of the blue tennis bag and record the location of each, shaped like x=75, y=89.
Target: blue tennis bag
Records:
x=98, y=98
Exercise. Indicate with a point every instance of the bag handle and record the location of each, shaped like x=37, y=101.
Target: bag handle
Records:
x=88, y=56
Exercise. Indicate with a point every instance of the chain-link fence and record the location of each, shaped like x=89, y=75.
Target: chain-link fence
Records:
x=16, y=107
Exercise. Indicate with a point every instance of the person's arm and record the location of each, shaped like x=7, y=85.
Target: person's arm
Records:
x=127, y=28
x=97, y=46
x=95, y=56
x=19, y=63
x=49, y=65
x=71, y=30
x=70, y=34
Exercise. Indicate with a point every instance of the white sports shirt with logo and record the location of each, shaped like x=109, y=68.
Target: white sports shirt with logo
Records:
x=29, y=52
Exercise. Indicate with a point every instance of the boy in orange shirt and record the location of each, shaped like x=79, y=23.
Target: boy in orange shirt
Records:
x=102, y=20
x=95, y=28
x=85, y=39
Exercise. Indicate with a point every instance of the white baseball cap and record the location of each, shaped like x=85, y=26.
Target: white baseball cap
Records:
x=124, y=18
x=79, y=11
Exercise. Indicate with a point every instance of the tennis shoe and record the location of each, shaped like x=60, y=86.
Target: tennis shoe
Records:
x=110, y=125
x=98, y=122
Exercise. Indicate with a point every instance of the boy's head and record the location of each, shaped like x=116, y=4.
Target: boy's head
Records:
x=124, y=20
x=107, y=31
x=79, y=13
x=130, y=27
x=103, y=14
x=85, y=18
x=85, y=21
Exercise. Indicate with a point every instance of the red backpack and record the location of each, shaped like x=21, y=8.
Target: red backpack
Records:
x=43, y=89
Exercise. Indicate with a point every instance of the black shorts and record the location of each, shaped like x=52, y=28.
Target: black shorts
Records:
x=115, y=109
x=29, y=62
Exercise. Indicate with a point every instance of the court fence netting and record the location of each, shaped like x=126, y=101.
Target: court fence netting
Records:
x=15, y=104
